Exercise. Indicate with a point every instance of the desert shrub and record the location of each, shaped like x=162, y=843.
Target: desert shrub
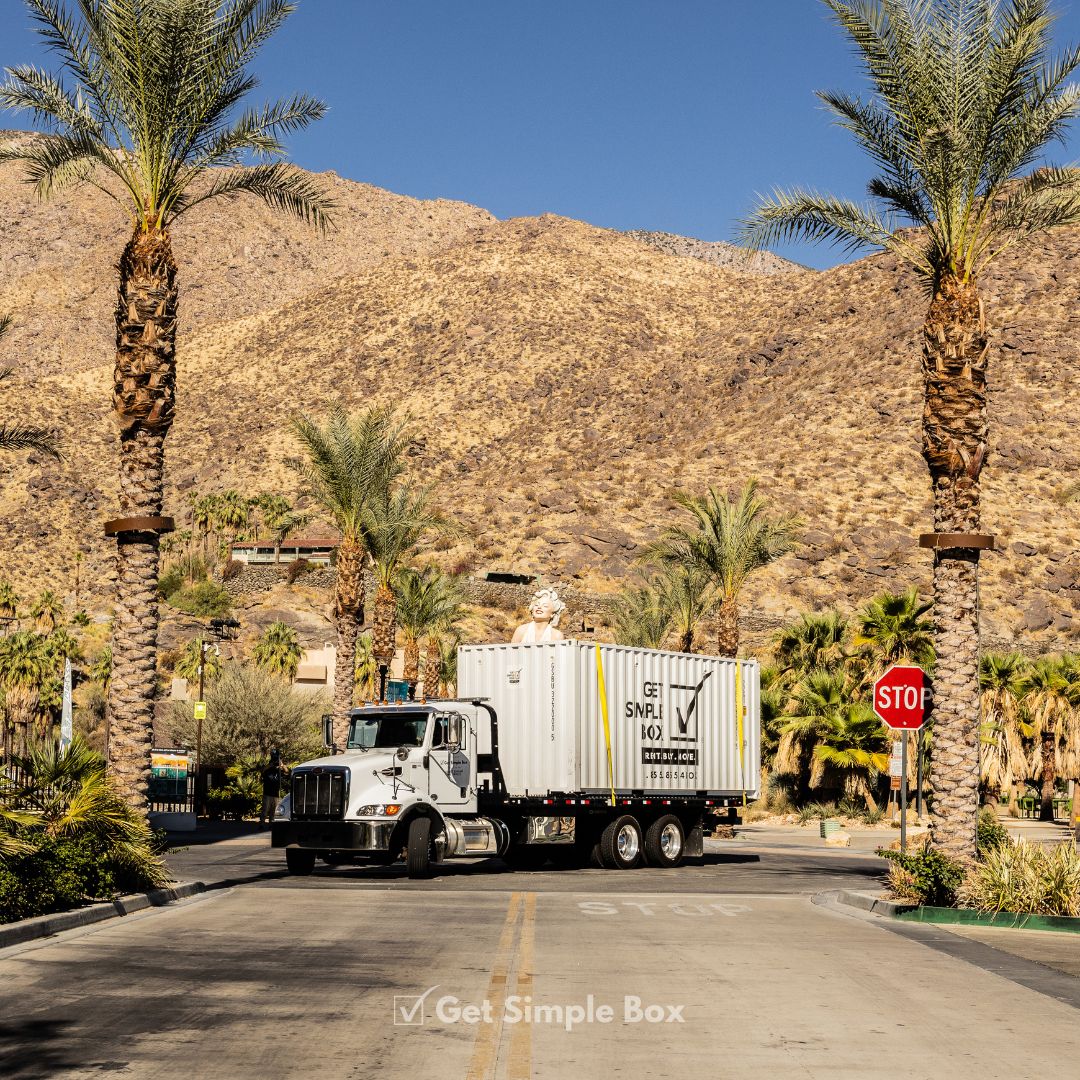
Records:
x=816, y=811
x=991, y=833
x=297, y=568
x=1025, y=878
x=57, y=876
x=233, y=568
x=204, y=600
x=170, y=583
x=81, y=618
x=872, y=817
x=924, y=877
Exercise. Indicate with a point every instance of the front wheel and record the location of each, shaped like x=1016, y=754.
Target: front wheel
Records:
x=665, y=842
x=620, y=844
x=418, y=855
x=299, y=861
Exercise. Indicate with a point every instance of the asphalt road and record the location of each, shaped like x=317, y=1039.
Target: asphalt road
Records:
x=739, y=967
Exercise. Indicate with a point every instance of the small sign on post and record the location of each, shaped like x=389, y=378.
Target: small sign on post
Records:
x=200, y=710
x=902, y=699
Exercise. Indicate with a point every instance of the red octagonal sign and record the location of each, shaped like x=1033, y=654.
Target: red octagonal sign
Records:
x=902, y=697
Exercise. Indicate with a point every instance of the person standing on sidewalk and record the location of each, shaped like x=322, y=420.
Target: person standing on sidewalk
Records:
x=271, y=779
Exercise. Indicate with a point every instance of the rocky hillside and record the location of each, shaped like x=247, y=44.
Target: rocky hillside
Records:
x=716, y=252
x=565, y=379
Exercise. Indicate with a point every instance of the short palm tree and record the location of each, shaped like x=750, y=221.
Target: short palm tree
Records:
x=1044, y=690
x=1002, y=755
x=278, y=650
x=892, y=629
x=146, y=113
x=640, y=617
x=817, y=701
x=9, y=601
x=47, y=612
x=853, y=742
x=816, y=641
x=689, y=595
x=428, y=601
x=730, y=539
x=232, y=515
x=24, y=667
x=18, y=436
x=192, y=656
x=101, y=669
x=964, y=96
x=349, y=463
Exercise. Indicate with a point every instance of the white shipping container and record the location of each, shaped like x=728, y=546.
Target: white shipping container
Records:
x=672, y=719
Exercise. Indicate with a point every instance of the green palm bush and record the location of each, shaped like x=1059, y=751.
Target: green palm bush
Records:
x=963, y=97
x=278, y=650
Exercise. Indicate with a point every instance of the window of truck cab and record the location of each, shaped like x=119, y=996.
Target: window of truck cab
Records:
x=387, y=730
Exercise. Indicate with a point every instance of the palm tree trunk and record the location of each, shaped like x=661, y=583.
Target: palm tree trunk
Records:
x=954, y=445
x=348, y=614
x=1049, y=770
x=432, y=667
x=411, y=673
x=144, y=394
x=686, y=641
x=384, y=632
x=727, y=629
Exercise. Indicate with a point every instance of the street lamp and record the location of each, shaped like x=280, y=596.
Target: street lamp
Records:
x=222, y=629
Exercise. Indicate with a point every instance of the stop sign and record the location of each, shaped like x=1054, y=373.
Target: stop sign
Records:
x=902, y=697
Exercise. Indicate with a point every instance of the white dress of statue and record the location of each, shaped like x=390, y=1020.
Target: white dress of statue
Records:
x=545, y=608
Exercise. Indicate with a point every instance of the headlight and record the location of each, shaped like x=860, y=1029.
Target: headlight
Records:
x=381, y=810
x=282, y=813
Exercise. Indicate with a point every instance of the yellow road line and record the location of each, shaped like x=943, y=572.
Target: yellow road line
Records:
x=485, y=1049
x=519, y=1062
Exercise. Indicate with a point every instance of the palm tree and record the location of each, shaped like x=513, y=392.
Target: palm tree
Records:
x=47, y=612
x=640, y=617
x=817, y=702
x=394, y=526
x=101, y=669
x=366, y=670
x=278, y=650
x=1044, y=690
x=731, y=538
x=853, y=741
x=24, y=667
x=687, y=593
x=428, y=601
x=203, y=516
x=965, y=96
x=9, y=601
x=892, y=629
x=145, y=113
x=232, y=514
x=447, y=646
x=17, y=436
x=1002, y=757
x=351, y=462
x=816, y=641
x=193, y=655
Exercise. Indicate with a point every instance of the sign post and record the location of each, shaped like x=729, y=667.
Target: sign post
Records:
x=901, y=700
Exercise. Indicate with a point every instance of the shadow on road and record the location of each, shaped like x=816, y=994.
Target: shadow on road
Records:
x=36, y=1049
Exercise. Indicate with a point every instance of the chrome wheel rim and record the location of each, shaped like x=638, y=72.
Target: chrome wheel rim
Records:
x=628, y=843
x=670, y=841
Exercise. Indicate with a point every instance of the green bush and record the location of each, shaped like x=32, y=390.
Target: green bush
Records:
x=991, y=834
x=295, y=569
x=816, y=811
x=1026, y=878
x=205, y=600
x=232, y=801
x=170, y=583
x=925, y=877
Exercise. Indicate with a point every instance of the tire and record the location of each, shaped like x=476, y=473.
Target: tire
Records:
x=300, y=861
x=418, y=855
x=665, y=842
x=621, y=844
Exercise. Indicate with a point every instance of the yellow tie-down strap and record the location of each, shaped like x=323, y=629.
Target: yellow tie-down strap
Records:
x=740, y=733
x=607, y=727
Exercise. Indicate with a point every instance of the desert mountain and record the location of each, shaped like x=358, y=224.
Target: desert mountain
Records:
x=565, y=379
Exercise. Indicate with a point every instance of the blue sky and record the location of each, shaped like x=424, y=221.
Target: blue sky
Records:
x=656, y=114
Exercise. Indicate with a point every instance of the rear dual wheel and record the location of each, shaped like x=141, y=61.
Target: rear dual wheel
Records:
x=621, y=844
x=665, y=842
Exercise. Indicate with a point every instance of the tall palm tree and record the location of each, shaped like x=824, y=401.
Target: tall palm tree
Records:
x=427, y=601
x=18, y=436
x=1003, y=758
x=893, y=630
x=394, y=526
x=24, y=667
x=731, y=538
x=146, y=113
x=964, y=97
x=47, y=612
x=232, y=515
x=278, y=650
x=350, y=462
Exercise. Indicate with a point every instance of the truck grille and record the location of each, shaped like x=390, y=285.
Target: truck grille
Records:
x=320, y=794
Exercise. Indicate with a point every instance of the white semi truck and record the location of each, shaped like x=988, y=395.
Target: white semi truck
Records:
x=563, y=751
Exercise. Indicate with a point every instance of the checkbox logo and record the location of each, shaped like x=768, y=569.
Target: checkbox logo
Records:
x=409, y=1009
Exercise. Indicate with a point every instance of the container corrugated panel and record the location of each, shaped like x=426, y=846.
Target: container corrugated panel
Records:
x=672, y=718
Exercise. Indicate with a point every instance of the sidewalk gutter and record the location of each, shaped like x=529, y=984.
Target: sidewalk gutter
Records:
x=46, y=925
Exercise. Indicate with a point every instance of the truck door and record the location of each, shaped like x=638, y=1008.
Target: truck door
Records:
x=450, y=762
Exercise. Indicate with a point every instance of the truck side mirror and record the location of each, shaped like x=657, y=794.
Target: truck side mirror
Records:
x=453, y=731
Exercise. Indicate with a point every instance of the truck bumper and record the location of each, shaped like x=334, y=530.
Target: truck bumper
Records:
x=373, y=836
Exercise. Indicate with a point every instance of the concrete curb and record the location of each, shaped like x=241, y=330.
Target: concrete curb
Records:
x=46, y=925
x=1007, y=920
x=874, y=904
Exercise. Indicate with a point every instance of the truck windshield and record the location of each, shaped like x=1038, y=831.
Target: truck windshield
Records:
x=387, y=730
